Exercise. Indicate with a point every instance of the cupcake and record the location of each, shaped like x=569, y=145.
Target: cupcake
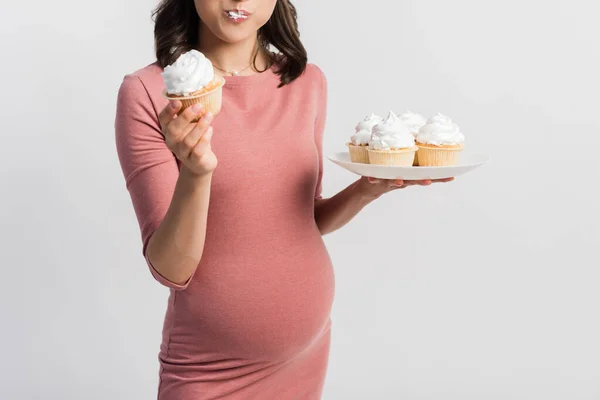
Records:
x=440, y=142
x=359, y=142
x=191, y=79
x=414, y=122
x=392, y=143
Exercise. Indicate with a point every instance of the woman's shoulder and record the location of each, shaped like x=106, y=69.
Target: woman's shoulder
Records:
x=314, y=70
x=311, y=81
x=143, y=88
x=149, y=76
x=315, y=75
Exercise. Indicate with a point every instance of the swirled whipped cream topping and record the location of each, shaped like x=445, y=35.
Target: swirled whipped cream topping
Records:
x=413, y=120
x=191, y=72
x=391, y=134
x=440, y=130
x=364, y=130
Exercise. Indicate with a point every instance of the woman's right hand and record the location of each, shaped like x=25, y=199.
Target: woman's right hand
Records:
x=188, y=140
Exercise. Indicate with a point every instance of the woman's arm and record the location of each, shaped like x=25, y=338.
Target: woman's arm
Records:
x=333, y=213
x=175, y=248
x=171, y=203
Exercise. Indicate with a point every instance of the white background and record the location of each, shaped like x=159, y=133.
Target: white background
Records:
x=485, y=288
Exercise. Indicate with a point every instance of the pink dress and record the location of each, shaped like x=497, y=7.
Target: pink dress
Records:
x=253, y=321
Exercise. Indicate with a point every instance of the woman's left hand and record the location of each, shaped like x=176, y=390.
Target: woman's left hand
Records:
x=373, y=187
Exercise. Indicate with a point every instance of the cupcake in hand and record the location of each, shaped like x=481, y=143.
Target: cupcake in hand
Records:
x=414, y=122
x=191, y=79
x=440, y=142
x=392, y=143
x=359, y=142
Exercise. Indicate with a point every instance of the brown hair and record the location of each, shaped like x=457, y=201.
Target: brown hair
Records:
x=176, y=32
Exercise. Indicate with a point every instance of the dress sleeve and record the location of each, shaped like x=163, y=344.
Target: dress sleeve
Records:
x=149, y=167
x=320, y=127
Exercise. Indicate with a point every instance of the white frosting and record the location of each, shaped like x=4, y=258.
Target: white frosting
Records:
x=191, y=72
x=413, y=120
x=391, y=134
x=364, y=129
x=439, y=131
x=235, y=15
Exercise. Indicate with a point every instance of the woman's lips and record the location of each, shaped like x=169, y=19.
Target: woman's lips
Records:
x=237, y=15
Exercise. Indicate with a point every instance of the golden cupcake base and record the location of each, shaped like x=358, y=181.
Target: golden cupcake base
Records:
x=398, y=157
x=358, y=153
x=438, y=156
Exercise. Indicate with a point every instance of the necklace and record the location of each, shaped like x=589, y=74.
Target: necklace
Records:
x=232, y=72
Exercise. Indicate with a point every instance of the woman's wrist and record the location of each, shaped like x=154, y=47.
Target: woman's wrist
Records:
x=192, y=179
x=364, y=191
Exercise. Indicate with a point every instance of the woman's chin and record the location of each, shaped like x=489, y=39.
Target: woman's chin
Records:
x=233, y=36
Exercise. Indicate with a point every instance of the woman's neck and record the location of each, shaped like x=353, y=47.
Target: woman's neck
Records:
x=231, y=56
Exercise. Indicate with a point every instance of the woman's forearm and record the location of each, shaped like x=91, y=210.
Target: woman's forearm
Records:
x=333, y=213
x=176, y=247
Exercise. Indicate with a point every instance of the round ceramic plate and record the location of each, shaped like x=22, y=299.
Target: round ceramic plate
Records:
x=468, y=163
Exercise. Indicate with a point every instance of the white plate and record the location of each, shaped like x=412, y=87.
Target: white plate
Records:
x=468, y=163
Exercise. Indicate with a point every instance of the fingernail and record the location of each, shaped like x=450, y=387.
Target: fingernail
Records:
x=208, y=116
x=174, y=105
x=196, y=108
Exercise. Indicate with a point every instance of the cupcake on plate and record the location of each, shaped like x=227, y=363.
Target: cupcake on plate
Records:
x=359, y=142
x=440, y=142
x=414, y=122
x=191, y=79
x=392, y=143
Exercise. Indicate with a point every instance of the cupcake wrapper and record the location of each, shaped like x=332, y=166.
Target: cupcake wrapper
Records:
x=210, y=101
x=359, y=154
x=438, y=157
x=403, y=157
x=416, y=161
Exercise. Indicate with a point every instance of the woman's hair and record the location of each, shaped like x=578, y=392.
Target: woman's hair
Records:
x=176, y=32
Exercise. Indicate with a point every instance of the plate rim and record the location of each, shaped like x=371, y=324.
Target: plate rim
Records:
x=485, y=156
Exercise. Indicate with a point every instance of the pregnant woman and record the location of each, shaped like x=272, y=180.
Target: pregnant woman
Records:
x=239, y=244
